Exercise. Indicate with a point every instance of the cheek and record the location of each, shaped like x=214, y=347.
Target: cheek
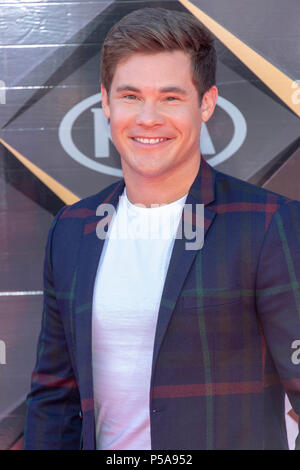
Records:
x=188, y=119
x=193, y=123
x=120, y=118
x=188, y=126
x=120, y=125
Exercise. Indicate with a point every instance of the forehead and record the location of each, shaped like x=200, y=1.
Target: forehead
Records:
x=154, y=70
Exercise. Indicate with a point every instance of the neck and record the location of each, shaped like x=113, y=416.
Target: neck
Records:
x=162, y=189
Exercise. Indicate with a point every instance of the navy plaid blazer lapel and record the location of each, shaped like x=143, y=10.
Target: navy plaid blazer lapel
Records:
x=202, y=191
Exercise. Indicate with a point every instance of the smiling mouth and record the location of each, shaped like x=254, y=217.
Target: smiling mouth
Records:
x=150, y=141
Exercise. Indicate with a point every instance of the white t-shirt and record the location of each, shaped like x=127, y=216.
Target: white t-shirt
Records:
x=127, y=294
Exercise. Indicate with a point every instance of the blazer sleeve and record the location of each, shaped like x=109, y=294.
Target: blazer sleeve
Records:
x=53, y=418
x=278, y=297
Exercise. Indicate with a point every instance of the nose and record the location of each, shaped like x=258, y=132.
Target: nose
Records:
x=148, y=115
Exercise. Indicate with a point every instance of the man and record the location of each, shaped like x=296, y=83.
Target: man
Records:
x=146, y=342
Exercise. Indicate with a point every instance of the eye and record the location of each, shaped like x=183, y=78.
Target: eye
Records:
x=171, y=98
x=130, y=97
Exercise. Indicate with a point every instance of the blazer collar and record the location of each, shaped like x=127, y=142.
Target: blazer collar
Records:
x=202, y=191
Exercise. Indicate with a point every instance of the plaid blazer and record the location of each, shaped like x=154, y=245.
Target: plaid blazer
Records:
x=224, y=350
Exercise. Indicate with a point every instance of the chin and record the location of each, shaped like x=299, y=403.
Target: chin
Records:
x=147, y=171
x=150, y=172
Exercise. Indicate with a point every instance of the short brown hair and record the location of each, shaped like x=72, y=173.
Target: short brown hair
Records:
x=152, y=30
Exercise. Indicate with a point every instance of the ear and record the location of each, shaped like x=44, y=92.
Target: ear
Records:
x=209, y=102
x=105, y=102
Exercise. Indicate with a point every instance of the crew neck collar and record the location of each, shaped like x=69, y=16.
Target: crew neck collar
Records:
x=155, y=207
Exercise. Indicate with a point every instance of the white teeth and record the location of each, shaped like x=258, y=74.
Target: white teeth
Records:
x=149, y=141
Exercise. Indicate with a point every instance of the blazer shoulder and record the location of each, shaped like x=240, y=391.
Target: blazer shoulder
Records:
x=70, y=220
x=230, y=189
x=66, y=230
x=87, y=206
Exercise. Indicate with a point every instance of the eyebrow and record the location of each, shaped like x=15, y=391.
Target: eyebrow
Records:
x=168, y=89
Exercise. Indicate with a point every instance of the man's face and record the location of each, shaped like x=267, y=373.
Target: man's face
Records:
x=154, y=112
